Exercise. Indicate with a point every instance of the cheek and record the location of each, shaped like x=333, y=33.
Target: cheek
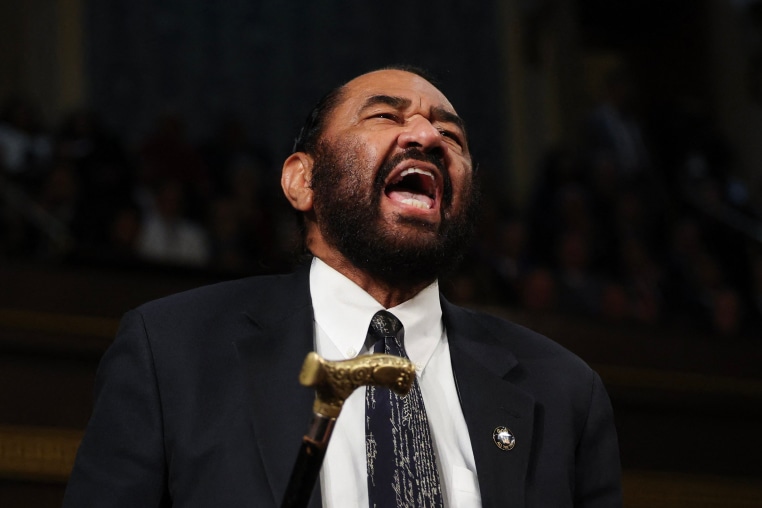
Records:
x=372, y=154
x=462, y=183
x=365, y=152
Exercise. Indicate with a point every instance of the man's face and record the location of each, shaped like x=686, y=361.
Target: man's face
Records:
x=392, y=178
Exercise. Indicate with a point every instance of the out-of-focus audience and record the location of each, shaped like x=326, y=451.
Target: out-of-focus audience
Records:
x=632, y=227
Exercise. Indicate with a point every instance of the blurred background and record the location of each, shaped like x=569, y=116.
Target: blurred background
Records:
x=619, y=145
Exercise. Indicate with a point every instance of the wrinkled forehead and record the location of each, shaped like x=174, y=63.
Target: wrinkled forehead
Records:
x=393, y=83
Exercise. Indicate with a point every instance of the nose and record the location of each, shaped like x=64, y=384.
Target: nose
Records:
x=420, y=133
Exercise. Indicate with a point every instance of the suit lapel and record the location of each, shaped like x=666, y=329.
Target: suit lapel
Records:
x=481, y=364
x=271, y=357
x=282, y=335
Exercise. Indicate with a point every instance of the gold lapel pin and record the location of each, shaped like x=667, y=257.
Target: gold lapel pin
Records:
x=504, y=438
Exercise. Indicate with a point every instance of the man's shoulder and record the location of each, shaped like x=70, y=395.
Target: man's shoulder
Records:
x=525, y=344
x=245, y=294
x=201, y=318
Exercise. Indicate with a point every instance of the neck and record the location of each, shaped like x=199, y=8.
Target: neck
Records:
x=387, y=294
x=384, y=293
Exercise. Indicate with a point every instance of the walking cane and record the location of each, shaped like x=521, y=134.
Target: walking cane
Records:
x=334, y=382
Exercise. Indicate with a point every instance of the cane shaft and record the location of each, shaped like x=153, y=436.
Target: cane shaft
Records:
x=308, y=462
x=334, y=382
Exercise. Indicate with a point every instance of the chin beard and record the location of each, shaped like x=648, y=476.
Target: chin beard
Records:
x=406, y=254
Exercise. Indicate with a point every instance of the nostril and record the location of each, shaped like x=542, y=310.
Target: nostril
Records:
x=436, y=150
x=427, y=137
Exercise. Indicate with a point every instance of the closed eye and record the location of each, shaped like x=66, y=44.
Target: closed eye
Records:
x=452, y=135
x=386, y=116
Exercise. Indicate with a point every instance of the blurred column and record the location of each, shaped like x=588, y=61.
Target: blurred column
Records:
x=517, y=180
x=69, y=50
x=541, y=68
x=41, y=54
x=728, y=60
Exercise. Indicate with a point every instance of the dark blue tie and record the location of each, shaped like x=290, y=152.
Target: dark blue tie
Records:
x=402, y=469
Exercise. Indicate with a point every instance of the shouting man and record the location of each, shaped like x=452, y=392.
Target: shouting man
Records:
x=198, y=403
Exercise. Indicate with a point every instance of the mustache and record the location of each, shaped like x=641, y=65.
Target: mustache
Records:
x=434, y=158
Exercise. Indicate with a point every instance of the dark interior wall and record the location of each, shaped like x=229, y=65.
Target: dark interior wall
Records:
x=268, y=61
x=664, y=43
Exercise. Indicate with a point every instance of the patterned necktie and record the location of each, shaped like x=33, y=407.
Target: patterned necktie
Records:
x=402, y=469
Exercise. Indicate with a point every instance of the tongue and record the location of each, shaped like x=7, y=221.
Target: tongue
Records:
x=411, y=198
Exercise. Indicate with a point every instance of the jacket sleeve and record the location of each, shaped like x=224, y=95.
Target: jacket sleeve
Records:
x=597, y=469
x=121, y=461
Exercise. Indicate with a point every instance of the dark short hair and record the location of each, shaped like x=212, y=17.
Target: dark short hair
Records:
x=314, y=124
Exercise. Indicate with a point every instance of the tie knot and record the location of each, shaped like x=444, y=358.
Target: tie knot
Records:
x=385, y=324
x=386, y=334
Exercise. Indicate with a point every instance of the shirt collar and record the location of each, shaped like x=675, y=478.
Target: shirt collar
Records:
x=343, y=310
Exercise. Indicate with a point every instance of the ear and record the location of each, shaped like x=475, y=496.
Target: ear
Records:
x=295, y=180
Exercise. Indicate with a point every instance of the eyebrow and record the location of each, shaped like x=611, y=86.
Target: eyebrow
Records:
x=395, y=102
x=437, y=113
x=446, y=116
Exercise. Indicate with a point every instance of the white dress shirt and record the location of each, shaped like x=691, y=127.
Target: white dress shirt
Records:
x=342, y=314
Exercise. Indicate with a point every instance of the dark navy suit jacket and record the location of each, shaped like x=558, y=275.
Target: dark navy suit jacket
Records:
x=198, y=405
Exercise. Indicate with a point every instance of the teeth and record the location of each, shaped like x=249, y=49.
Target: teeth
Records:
x=409, y=171
x=416, y=203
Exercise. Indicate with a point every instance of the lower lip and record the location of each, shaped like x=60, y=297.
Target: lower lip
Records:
x=412, y=209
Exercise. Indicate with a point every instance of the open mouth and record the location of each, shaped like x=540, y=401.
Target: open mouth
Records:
x=415, y=187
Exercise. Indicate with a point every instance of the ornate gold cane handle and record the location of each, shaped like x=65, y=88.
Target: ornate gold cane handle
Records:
x=335, y=381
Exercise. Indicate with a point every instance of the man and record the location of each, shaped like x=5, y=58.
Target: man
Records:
x=198, y=402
